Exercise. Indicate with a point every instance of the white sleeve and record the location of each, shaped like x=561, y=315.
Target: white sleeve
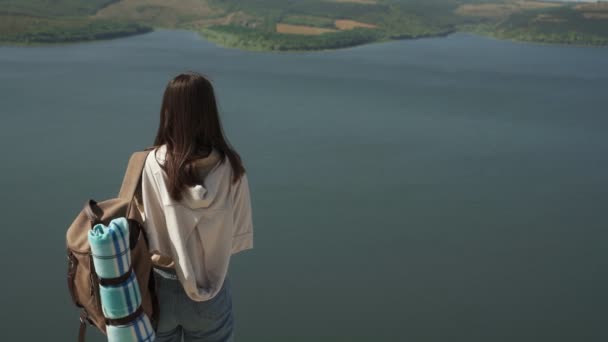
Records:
x=154, y=215
x=242, y=216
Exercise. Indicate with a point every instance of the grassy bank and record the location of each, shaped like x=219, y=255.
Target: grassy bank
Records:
x=257, y=40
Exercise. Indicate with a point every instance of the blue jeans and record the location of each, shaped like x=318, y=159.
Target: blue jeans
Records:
x=207, y=321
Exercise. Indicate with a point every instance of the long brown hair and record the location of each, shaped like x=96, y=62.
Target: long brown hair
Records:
x=190, y=126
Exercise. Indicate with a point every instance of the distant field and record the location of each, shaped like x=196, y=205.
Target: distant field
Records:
x=598, y=6
x=309, y=20
x=595, y=15
x=369, y=2
x=502, y=10
x=301, y=29
x=340, y=24
x=345, y=24
x=594, y=10
x=167, y=13
x=548, y=18
x=238, y=18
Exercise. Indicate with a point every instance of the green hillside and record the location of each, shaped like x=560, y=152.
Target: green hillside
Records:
x=53, y=21
x=58, y=8
x=560, y=25
x=303, y=24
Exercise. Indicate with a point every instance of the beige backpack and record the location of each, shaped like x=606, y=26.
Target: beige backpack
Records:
x=83, y=283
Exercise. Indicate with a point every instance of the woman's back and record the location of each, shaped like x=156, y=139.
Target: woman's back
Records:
x=197, y=234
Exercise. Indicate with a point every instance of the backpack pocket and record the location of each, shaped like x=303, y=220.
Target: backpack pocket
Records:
x=72, y=265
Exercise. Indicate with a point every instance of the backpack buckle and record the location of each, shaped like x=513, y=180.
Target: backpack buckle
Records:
x=83, y=317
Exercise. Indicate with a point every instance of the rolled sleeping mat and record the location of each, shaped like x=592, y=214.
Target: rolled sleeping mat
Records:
x=119, y=289
x=110, y=248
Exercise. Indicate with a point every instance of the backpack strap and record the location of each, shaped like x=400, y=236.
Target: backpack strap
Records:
x=132, y=176
x=82, y=331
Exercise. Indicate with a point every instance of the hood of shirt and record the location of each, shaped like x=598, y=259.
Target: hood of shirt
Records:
x=199, y=195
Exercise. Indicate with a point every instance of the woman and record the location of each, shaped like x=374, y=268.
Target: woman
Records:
x=197, y=213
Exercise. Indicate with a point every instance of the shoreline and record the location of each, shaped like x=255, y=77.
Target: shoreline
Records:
x=110, y=37
x=101, y=37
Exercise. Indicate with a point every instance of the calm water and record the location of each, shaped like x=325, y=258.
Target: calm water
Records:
x=434, y=190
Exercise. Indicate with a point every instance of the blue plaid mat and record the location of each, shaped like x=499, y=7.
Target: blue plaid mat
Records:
x=112, y=259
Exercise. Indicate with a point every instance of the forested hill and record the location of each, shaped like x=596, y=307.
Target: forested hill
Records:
x=55, y=21
x=303, y=24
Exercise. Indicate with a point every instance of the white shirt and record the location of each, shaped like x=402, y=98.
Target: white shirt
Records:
x=198, y=234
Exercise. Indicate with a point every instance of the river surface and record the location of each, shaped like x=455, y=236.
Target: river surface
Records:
x=445, y=189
